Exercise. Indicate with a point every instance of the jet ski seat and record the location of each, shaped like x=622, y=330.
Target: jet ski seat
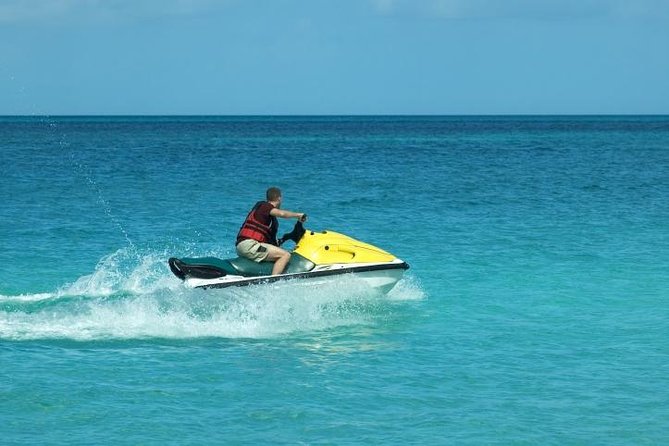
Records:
x=212, y=267
x=246, y=267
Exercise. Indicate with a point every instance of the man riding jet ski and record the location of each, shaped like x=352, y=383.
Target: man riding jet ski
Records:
x=316, y=255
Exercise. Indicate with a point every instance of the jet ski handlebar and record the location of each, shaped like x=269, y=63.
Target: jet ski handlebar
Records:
x=296, y=234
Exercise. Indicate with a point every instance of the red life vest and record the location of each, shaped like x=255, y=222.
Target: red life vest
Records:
x=253, y=228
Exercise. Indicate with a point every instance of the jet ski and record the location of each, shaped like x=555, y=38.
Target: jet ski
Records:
x=316, y=255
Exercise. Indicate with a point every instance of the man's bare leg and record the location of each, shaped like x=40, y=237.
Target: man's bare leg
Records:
x=280, y=257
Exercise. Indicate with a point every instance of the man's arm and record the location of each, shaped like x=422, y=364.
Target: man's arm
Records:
x=285, y=214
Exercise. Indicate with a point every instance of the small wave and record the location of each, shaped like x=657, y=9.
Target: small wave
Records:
x=37, y=297
x=358, y=202
x=122, y=272
x=409, y=288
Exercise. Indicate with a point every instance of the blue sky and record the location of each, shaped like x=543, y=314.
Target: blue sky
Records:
x=334, y=57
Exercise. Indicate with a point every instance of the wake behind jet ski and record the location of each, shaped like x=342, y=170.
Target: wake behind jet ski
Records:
x=316, y=255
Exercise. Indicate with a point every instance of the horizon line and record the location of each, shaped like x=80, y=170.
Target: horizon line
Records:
x=298, y=115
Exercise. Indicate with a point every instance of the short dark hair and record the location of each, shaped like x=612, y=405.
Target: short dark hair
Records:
x=273, y=194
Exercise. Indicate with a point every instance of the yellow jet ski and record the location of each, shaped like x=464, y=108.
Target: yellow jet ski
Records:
x=316, y=255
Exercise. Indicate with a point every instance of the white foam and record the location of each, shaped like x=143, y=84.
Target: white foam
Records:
x=113, y=275
x=130, y=297
x=250, y=313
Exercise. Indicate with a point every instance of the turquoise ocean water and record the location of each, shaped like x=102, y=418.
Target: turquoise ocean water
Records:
x=535, y=310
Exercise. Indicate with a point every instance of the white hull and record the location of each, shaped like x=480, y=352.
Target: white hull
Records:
x=379, y=276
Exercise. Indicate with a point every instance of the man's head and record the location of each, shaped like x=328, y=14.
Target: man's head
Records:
x=274, y=195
